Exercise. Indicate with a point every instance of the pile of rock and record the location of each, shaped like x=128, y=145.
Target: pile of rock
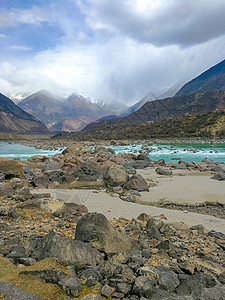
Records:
x=143, y=258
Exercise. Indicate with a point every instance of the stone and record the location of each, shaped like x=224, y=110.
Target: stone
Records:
x=153, y=233
x=219, y=176
x=69, y=210
x=65, y=250
x=107, y=290
x=214, y=293
x=97, y=230
x=116, y=175
x=168, y=281
x=163, y=171
x=150, y=272
x=90, y=276
x=2, y=177
x=37, y=159
x=13, y=214
x=123, y=288
x=117, y=270
x=12, y=292
x=50, y=276
x=91, y=297
x=143, y=286
x=217, y=234
x=193, y=284
x=137, y=182
x=71, y=286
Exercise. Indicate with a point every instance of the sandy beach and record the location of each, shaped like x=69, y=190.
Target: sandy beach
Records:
x=189, y=188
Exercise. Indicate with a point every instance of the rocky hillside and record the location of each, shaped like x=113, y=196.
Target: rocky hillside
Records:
x=195, y=104
x=208, y=125
x=211, y=80
x=14, y=119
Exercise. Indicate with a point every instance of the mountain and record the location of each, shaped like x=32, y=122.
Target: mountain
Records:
x=211, y=80
x=70, y=114
x=72, y=123
x=43, y=106
x=149, y=97
x=208, y=125
x=171, y=91
x=15, y=119
x=194, y=104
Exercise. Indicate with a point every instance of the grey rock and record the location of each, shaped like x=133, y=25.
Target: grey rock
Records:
x=13, y=214
x=116, y=175
x=214, y=293
x=117, y=270
x=2, y=177
x=12, y=292
x=143, y=286
x=123, y=288
x=217, y=234
x=163, y=171
x=107, y=290
x=67, y=251
x=90, y=276
x=97, y=230
x=168, y=281
x=71, y=286
x=153, y=233
x=50, y=276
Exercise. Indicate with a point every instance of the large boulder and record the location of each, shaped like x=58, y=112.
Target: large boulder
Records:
x=11, y=292
x=163, y=171
x=88, y=171
x=116, y=175
x=97, y=230
x=11, y=168
x=65, y=250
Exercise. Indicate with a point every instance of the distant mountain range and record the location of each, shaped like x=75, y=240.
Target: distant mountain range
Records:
x=70, y=114
x=14, y=119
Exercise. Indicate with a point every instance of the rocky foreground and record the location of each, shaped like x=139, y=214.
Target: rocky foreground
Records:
x=56, y=250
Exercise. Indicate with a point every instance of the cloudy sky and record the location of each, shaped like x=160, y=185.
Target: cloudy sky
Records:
x=108, y=50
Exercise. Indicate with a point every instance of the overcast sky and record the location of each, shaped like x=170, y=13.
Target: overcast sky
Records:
x=108, y=50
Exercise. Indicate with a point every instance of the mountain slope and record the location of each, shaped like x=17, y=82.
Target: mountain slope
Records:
x=43, y=106
x=195, y=104
x=14, y=119
x=210, y=80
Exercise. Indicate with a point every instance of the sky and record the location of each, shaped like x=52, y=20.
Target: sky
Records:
x=107, y=50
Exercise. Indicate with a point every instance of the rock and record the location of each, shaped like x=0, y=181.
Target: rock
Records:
x=168, y=281
x=90, y=276
x=143, y=286
x=163, y=171
x=193, y=284
x=219, y=176
x=65, y=250
x=217, y=234
x=154, y=221
x=181, y=166
x=77, y=149
x=153, y=233
x=214, y=293
x=41, y=181
x=125, y=143
x=71, y=286
x=92, y=297
x=97, y=230
x=113, y=142
x=111, y=270
x=2, y=177
x=107, y=290
x=150, y=272
x=69, y=210
x=6, y=189
x=137, y=182
x=123, y=288
x=13, y=214
x=116, y=175
x=11, y=168
x=47, y=204
x=88, y=171
x=37, y=159
x=50, y=276
x=160, y=162
x=12, y=292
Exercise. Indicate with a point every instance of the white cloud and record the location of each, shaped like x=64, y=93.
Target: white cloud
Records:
x=20, y=48
x=2, y=36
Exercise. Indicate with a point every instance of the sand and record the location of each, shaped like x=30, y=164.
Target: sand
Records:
x=184, y=186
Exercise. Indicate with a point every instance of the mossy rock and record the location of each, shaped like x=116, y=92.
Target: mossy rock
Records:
x=11, y=168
